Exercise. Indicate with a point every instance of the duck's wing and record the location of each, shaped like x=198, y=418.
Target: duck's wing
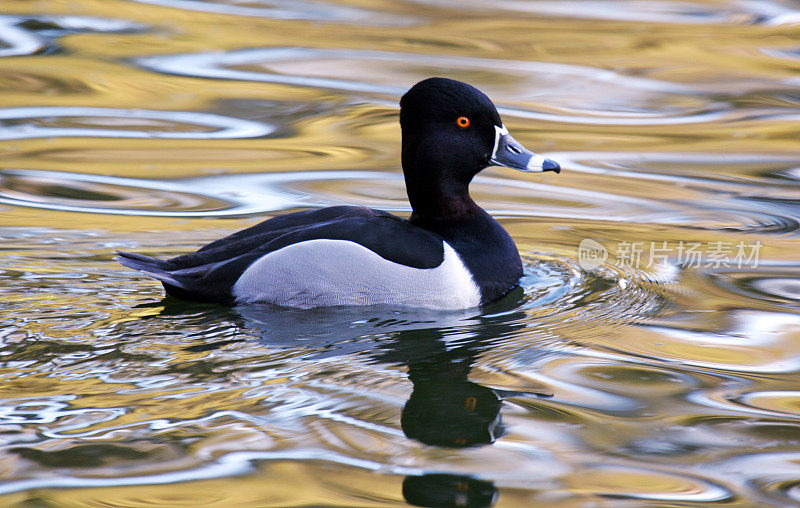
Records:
x=249, y=239
x=210, y=273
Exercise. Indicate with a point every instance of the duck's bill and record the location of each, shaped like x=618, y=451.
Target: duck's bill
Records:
x=509, y=153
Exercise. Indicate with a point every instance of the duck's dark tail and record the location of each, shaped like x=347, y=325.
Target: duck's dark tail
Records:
x=183, y=283
x=156, y=268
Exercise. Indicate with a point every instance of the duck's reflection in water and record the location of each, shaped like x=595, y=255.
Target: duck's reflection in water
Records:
x=445, y=408
x=446, y=490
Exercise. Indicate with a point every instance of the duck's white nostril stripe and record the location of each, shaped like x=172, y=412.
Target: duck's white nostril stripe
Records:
x=514, y=149
x=498, y=131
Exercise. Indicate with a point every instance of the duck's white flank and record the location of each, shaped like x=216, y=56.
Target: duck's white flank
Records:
x=318, y=273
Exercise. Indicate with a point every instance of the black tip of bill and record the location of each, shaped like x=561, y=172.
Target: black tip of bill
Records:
x=551, y=165
x=509, y=153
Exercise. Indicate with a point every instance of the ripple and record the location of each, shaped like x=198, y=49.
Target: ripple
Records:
x=15, y=41
x=774, y=473
x=673, y=12
x=248, y=194
x=780, y=287
x=649, y=484
x=634, y=379
x=30, y=35
x=75, y=192
x=15, y=81
x=233, y=195
x=571, y=397
x=254, y=194
x=731, y=170
x=237, y=195
x=62, y=121
x=740, y=201
x=665, y=389
x=56, y=409
x=774, y=283
x=793, y=173
x=775, y=401
x=775, y=405
x=626, y=100
x=784, y=16
x=288, y=10
x=753, y=342
x=230, y=464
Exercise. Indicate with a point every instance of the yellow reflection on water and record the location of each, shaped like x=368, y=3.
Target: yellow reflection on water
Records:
x=675, y=122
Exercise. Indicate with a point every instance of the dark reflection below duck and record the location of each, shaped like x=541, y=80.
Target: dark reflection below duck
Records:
x=446, y=490
x=445, y=408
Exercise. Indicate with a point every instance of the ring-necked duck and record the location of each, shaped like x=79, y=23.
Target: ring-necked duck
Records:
x=450, y=254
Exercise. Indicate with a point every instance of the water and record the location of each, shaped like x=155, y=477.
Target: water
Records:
x=654, y=378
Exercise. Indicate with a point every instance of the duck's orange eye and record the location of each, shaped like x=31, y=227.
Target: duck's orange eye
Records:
x=463, y=121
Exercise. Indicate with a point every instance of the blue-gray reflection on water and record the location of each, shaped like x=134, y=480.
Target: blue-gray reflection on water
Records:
x=290, y=9
x=671, y=384
x=528, y=76
x=23, y=124
x=247, y=194
x=18, y=40
x=679, y=12
x=252, y=194
x=27, y=40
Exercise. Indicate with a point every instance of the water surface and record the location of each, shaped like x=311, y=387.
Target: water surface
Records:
x=656, y=364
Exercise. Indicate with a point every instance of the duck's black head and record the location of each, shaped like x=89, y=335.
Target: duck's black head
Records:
x=451, y=131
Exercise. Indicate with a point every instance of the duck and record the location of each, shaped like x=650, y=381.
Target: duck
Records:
x=449, y=254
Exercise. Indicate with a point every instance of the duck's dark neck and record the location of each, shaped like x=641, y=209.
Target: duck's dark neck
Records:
x=433, y=204
x=437, y=193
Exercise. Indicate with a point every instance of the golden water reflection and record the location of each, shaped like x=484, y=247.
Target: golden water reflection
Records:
x=159, y=125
